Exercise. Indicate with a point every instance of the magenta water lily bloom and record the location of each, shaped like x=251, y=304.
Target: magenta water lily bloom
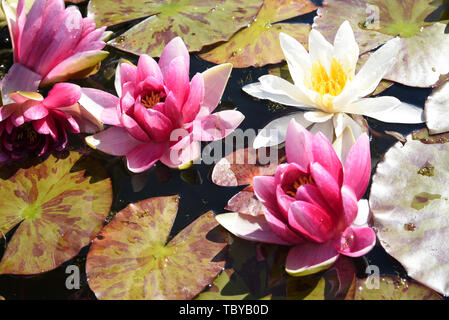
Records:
x=160, y=114
x=32, y=124
x=51, y=44
x=312, y=203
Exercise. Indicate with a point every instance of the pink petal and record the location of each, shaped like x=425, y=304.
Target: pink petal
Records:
x=19, y=78
x=176, y=79
x=265, y=191
x=288, y=173
x=134, y=129
x=329, y=188
x=310, y=258
x=196, y=95
x=356, y=242
x=281, y=229
x=155, y=123
x=115, y=141
x=215, y=80
x=63, y=95
x=311, y=221
x=31, y=28
x=249, y=227
x=7, y=110
x=299, y=145
x=175, y=157
x=35, y=111
x=172, y=109
x=175, y=48
x=324, y=153
x=311, y=194
x=46, y=126
x=358, y=166
x=144, y=156
x=101, y=105
x=284, y=201
x=350, y=207
x=128, y=73
x=147, y=67
x=216, y=126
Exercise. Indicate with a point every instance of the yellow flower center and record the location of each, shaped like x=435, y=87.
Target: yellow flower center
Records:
x=333, y=83
x=299, y=182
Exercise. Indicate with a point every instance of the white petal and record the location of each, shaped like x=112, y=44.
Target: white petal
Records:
x=342, y=121
x=368, y=78
x=298, y=59
x=363, y=214
x=318, y=116
x=255, y=90
x=436, y=111
x=346, y=48
x=277, y=85
x=343, y=143
x=275, y=132
x=320, y=49
x=387, y=109
x=326, y=128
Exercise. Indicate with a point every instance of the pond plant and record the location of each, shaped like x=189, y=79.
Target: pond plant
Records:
x=224, y=149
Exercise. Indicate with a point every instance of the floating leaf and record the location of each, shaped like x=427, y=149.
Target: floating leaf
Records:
x=393, y=288
x=228, y=286
x=258, y=44
x=424, y=136
x=131, y=258
x=59, y=209
x=197, y=22
x=436, y=110
x=422, y=57
x=245, y=202
x=409, y=200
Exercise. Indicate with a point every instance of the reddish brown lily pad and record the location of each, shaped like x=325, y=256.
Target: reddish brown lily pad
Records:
x=59, y=209
x=197, y=22
x=131, y=258
x=258, y=44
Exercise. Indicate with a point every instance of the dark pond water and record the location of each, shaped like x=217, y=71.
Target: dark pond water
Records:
x=198, y=193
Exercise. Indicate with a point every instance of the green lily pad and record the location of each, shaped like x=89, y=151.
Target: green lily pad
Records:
x=424, y=136
x=423, y=46
x=258, y=44
x=59, y=209
x=131, y=258
x=394, y=288
x=228, y=286
x=409, y=200
x=197, y=22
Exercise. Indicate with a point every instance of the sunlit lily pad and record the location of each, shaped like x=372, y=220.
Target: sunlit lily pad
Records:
x=131, y=258
x=422, y=57
x=258, y=44
x=436, y=110
x=60, y=209
x=409, y=200
x=197, y=22
x=393, y=288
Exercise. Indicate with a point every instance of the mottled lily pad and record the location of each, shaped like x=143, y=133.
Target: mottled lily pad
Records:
x=393, y=288
x=258, y=44
x=436, y=110
x=423, y=46
x=409, y=200
x=197, y=22
x=424, y=136
x=131, y=258
x=60, y=210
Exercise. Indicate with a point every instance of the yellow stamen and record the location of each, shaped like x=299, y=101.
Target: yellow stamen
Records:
x=331, y=84
x=301, y=181
x=149, y=101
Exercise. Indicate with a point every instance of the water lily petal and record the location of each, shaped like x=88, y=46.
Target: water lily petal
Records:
x=148, y=67
x=216, y=126
x=346, y=49
x=35, y=112
x=192, y=105
x=134, y=128
x=115, y=141
x=275, y=132
x=101, y=105
x=175, y=48
x=317, y=116
x=62, y=95
x=298, y=59
x=155, y=123
x=249, y=228
x=324, y=154
x=175, y=157
x=363, y=214
x=215, y=80
x=320, y=49
x=326, y=183
x=177, y=79
x=299, y=145
x=310, y=258
x=350, y=206
x=437, y=110
x=256, y=90
x=326, y=128
x=19, y=78
x=144, y=156
x=356, y=242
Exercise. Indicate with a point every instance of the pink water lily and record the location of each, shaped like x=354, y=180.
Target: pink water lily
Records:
x=51, y=44
x=312, y=203
x=160, y=114
x=34, y=124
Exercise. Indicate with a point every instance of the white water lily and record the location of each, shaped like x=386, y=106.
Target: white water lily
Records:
x=327, y=88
